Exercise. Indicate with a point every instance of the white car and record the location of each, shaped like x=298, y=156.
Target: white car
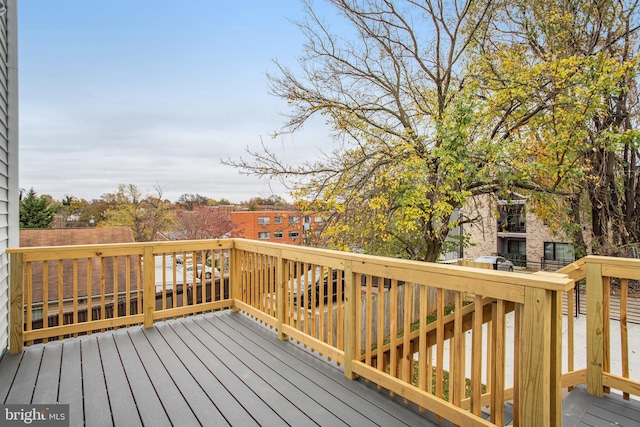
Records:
x=208, y=271
x=498, y=262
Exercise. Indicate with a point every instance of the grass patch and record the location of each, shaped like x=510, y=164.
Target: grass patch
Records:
x=445, y=382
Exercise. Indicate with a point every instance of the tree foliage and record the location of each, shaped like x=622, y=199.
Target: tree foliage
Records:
x=190, y=201
x=255, y=203
x=401, y=102
x=145, y=214
x=433, y=103
x=581, y=59
x=35, y=212
x=203, y=223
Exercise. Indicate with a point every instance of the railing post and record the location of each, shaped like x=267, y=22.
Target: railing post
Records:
x=595, y=329
x=536, y=357
x=281, y=283
x=349, y=332
x=16, y=305
x=556, y=359
x=149, y=286
x=235, y=277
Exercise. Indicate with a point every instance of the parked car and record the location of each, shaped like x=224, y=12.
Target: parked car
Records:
x=331, y=291
x=208, y=271
x=498, y=262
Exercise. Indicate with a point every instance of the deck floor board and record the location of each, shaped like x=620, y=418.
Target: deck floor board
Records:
x=354, y=408
x=10, y=364
x=213, y=377
x=167, y=391
x=582, y=409
x=70, y=387
x=201, y=405
x=146, y=399
x=97, y=409
x=223, y=369
x=23, y=385
x=49, y=375
x=231, y=412
x=277, y=395
x=119, y=391
x=304, y=395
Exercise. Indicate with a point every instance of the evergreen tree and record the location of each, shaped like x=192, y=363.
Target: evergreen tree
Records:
x=35, y=212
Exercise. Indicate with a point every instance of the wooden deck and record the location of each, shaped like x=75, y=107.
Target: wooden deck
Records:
x=581, y=409
x=215, y=369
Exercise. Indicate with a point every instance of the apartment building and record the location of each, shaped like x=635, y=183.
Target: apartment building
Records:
x=508, y=229
x=269, y=225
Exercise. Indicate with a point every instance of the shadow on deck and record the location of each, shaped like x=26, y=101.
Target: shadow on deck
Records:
x=216, y=369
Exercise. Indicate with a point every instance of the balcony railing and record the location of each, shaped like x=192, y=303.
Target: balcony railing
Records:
x=409, y=327
x=602, y=275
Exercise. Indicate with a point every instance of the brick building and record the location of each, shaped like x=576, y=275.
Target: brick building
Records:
x=508, y=229
x=279, y=226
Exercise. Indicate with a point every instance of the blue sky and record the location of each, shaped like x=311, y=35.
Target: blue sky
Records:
x=153, y=93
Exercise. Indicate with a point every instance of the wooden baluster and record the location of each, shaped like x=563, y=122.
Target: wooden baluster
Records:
x=114, y=297
x=75, y=294
x=103, y=290
x=393, y=329
x=340, y=309
x=498, y=368
x=351, y=323
x=457, y=377
x=424, y=370
x=439, y=341
x=624, y=336
x=60, y=296
x=380, y=326
x=127, y=286
x=17, y=307
x=368, y=320
x=606, y=327
x=89, y=291
x=45, y=295
x=476, y=356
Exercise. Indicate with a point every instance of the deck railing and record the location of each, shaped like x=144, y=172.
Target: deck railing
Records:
x=434, y=334
x=605, y=280
x=64, y=291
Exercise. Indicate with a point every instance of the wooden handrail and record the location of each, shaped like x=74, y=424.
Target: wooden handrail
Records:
x=334, y=302
x=118, y=288
x=597, y=273
x=307, y=310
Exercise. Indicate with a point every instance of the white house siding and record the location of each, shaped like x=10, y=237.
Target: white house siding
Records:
x=9, y=209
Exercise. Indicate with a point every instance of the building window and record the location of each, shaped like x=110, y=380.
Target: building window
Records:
x=559, y=252
x=318, y=219
x=294, y=219
x=264, y=220
x=517, y=247
x=265, y=235
x=294, y=234
x=513, y=219
x=277, y=235
x=277, y=220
